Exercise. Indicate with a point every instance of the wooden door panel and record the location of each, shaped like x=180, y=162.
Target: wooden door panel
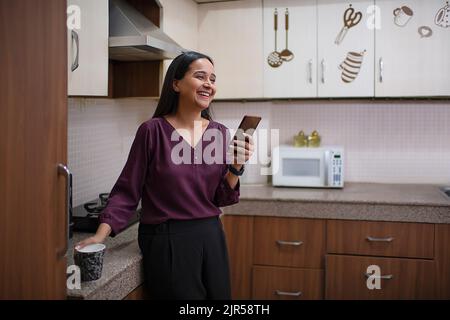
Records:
x=289, y=242
x=391, y=239
x=442, y=261
x=405, y=278
x=33, y=140
x=239, y=235
x=275, y=283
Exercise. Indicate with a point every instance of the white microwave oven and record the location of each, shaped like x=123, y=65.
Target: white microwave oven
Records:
x=321, y=167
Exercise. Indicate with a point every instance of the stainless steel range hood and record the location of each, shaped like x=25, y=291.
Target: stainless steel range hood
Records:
x=132, y=37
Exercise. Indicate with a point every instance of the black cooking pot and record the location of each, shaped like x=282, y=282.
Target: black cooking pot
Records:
x=94, y=208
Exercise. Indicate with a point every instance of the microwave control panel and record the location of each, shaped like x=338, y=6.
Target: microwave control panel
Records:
x=336, y=169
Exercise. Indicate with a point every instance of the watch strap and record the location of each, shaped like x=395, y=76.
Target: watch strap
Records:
x=236, y=172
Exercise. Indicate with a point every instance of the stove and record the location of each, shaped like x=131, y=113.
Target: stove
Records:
x=85, y=217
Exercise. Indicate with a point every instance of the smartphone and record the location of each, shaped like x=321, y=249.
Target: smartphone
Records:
x=248, y=125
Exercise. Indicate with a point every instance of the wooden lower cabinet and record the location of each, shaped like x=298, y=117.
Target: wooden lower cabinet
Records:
x=442, y=253
x=289, y=242
x=139, y=293
x=329, y=258
x=383, y=239
x=239, y=235
x=276, y=283
x=346, y=278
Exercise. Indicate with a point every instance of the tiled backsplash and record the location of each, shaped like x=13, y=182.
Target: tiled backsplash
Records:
x=385, y=142
x=100, y=135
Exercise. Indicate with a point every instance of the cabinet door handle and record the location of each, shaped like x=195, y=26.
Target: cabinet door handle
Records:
x=310, y=63
x=322, y=63
x=77, y=43
x=381, y=67
x=385, y=277
x=290, y=294
x=289, y=243
x=63, y=170
x=373, y=239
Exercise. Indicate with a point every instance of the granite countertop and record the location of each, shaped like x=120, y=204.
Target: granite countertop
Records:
x=122, y=268
x=375, y=193
x=356, y=201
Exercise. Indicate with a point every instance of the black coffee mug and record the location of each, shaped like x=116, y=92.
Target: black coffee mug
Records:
x=90, y=261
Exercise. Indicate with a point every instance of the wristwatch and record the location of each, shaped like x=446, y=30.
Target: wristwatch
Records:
x=236, y=172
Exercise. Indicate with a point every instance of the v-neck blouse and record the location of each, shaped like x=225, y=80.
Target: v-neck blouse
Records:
x=178, y=134
x=193, y=188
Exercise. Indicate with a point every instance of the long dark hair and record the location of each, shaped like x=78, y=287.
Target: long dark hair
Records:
x=168, y=102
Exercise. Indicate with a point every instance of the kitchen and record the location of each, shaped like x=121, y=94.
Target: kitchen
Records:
x=369, y=76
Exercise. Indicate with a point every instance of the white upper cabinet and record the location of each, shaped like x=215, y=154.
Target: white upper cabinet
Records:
x=328, y=48
x=232, y=34
x=88, y=48
x=413, y=48
x=290, y=53
x=345, y=53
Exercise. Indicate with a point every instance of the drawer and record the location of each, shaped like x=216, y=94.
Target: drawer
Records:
x=275, y=283
x=289, y=242
x=389, y=239
x=346, y=278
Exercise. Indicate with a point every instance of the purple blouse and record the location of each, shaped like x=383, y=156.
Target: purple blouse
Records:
x=173, y=179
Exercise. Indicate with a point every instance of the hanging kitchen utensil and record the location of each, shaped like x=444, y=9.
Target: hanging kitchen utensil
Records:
x=351, y=65
x=442, y=18
x=286, y=54
x=274, y=60
x=351, y=19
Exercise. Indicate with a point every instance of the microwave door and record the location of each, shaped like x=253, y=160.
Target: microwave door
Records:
x=303, y=172
x=327, y=174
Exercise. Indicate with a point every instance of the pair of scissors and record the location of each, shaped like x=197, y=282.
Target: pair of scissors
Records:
x=351, y=19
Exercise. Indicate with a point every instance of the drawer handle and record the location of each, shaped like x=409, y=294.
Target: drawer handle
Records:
x=373, y=239
x=290, y=294
x=289, y=243
x=386, y=277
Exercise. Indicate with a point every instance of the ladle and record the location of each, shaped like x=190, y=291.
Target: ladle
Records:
x=286, y=54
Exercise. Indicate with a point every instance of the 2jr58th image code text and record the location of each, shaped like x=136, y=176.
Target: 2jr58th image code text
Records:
x=220, y=311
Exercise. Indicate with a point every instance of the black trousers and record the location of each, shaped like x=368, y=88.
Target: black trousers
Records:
x=185, y=260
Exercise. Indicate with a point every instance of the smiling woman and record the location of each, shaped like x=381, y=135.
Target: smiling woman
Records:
x=188, y=75
x=200, y=80
x=180, y=233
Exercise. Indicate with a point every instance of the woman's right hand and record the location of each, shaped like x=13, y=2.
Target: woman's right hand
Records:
x=91, y=240
x=102, y=233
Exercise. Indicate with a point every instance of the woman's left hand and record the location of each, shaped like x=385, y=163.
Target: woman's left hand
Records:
x=243, y=150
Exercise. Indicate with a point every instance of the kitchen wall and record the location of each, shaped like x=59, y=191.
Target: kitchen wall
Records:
x=384, y=141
